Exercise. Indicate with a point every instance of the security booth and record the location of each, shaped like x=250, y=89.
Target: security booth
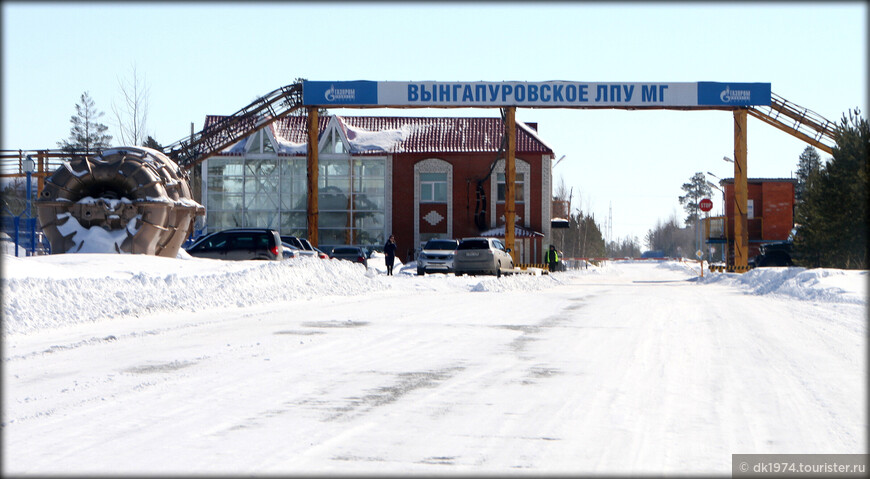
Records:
x=769, y=213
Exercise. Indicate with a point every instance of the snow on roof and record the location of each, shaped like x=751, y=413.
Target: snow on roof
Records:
x=379, y=135
x=761, y=180
x=519, y=232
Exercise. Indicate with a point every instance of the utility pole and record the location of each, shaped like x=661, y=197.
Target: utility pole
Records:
x=509, y=180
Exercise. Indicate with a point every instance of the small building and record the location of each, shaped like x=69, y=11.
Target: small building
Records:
x=769, y=212
x=417, y=178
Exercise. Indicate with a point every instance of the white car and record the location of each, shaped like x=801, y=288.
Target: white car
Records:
x=436, y=256
x=482, y=256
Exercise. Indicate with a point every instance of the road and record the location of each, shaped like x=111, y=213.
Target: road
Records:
x=634, y=371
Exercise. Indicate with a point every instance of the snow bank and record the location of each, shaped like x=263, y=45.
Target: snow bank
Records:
x=822, y=285
x=42, y=292
x=53, y=291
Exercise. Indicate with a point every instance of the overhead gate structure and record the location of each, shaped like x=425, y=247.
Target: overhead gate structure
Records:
x=741, y=99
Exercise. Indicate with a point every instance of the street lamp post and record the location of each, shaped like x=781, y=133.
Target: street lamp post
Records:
x=711, y=184
x=29, y=166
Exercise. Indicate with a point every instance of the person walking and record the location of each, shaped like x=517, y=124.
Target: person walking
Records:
x=551, y=257
x=390, y=252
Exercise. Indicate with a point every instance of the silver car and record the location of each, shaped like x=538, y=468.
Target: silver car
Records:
x=437, y=256
x=482, y=256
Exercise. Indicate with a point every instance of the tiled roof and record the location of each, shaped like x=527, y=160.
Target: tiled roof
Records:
x=729, y=181
x=412, y=134
x=519, y=232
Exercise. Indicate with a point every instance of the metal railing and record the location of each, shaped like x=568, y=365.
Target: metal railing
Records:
x=798, y=121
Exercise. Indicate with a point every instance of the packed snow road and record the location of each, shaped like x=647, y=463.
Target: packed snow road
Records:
x=630, y=368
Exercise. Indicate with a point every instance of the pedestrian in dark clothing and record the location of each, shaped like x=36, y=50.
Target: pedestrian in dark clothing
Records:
x=390, y=252
x=551, y=257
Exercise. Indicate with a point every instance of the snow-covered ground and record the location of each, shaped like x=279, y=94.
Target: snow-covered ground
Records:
x=130, y=364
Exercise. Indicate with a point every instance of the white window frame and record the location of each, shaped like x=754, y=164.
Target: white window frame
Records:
x=432, y=165
x=520, y=166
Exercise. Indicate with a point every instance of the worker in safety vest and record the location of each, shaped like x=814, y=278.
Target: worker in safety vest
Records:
x=551, y=257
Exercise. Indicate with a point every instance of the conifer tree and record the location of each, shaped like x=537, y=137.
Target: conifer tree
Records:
x=152, y=143
x=808, y=162
x=833, y=213
x=86, y=135
x=696, y=190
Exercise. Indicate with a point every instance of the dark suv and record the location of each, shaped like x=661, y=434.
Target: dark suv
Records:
x=239, y=244
x=779, y=253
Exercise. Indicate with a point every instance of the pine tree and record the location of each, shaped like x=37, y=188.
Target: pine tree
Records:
x=152, y=143
x=808, y=162
x=696, y=190
x=833, y=214
x=86, y=135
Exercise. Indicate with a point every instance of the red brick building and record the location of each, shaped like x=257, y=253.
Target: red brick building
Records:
x=770, y=213
x=414, y=177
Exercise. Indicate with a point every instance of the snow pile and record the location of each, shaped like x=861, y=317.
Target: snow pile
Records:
x=43, y=292
x=52, y=291
x=821, y=285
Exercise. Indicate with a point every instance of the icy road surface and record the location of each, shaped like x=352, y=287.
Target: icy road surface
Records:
x=630, y=368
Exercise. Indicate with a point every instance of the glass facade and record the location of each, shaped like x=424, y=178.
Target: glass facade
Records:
x=352, y=201
x=264, y=190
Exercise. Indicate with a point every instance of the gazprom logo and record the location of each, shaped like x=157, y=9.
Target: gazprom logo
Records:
x=728, y=95
x=333, y=94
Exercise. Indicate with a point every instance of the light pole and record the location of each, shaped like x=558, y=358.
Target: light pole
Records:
x=710, y=183
x=29, y=166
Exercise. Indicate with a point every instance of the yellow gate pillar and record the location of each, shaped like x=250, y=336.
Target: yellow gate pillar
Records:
x=509, y=180
x=741, y=194
x=313, y=171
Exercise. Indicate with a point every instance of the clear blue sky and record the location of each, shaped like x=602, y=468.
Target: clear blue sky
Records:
x=214, y=58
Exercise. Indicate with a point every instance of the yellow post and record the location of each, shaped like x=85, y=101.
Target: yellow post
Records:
x=741, y=194
x=509, y=180
x=313, y=171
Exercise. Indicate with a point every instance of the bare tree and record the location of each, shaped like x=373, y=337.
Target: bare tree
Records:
x=132, y=114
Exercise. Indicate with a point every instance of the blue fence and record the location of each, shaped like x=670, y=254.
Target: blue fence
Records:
x=22, y=235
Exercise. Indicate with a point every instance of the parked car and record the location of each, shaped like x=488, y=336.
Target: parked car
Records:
x=774, y=254
x=482, y=256
x=437, y=256
x=304, y=246
x=299, y=245
x=239, y=244
x=779, y=253
x=357, y=254
x=290, y=251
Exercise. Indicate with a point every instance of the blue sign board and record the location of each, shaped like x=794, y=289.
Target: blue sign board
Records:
x=340, y=93
x=554, y=94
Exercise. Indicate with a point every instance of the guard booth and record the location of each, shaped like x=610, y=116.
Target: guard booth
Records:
x=769, y=216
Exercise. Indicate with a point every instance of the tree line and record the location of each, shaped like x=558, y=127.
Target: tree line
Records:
x=831, y=212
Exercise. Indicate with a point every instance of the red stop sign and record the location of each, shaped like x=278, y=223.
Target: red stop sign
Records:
x=706, y=204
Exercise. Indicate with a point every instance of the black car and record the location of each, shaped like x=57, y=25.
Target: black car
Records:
x=775, y=254
x=779, y=253
x=357, y=254
x=239, y=244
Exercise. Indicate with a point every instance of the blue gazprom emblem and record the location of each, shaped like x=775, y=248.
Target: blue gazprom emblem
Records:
x=733, y=94
x=339, y=93
x=728, y=95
